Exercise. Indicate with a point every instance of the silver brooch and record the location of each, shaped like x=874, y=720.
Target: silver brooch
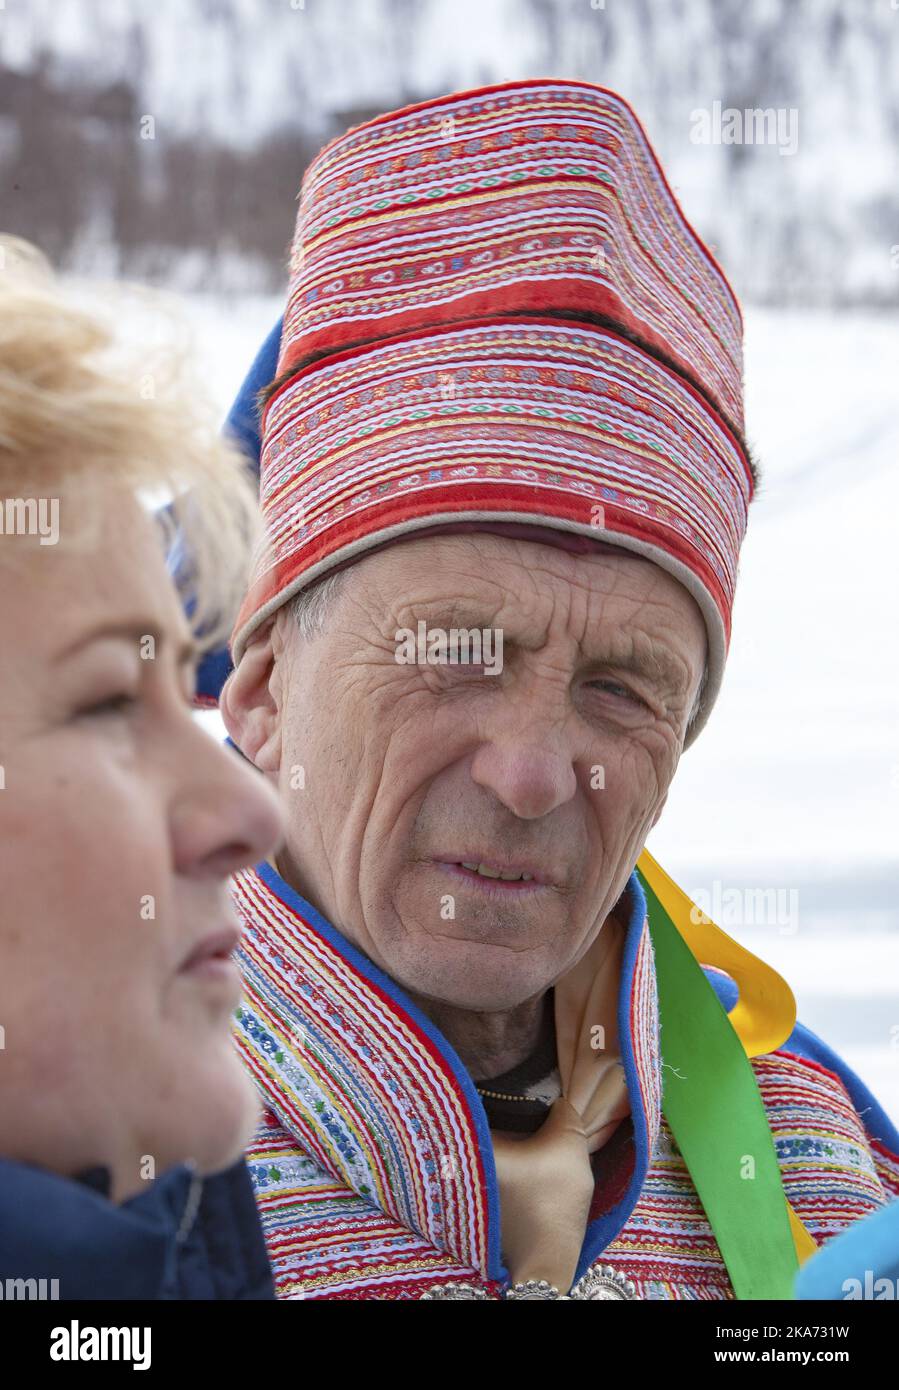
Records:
x=603, y=1282
x=455, y=1291
x=536, y=1290
x=600, y=1283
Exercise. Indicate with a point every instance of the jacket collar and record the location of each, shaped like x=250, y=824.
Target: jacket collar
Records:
x=371, y=1089
x=66, y=1229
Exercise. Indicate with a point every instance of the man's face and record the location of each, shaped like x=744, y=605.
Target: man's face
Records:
x=557, y=767
x=119, y=823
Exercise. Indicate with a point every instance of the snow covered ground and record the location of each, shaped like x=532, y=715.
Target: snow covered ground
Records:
x=794, y=784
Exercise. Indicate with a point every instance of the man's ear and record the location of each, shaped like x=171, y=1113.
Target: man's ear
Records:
x=248, y=703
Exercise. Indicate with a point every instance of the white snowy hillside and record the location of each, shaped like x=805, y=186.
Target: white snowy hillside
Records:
x=168, y=139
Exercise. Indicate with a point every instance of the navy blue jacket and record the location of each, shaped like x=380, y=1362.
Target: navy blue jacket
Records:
x=185, y=1237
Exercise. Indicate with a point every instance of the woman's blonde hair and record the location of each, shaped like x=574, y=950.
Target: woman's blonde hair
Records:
x=81, y=406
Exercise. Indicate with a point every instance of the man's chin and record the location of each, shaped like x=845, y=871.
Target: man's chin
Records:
x=478, y=976
x=478, y=930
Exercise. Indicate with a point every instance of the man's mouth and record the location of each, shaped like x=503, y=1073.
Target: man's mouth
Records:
x=508, y=876
x=504, y=877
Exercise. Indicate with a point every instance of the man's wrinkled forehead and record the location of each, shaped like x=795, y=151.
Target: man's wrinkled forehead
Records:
x=626, y=645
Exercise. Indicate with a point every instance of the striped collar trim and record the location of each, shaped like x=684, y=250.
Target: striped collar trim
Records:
x=370, y=1088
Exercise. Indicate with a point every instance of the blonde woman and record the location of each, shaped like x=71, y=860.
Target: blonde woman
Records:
x=123, y=1107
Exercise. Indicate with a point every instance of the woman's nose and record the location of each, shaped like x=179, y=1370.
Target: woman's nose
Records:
x=228, y=817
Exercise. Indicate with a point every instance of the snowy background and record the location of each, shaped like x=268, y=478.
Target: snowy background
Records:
x=167, y=137
x=794, y=785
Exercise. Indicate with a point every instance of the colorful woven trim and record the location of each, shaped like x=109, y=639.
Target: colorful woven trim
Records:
x=514, y=420
x=373, y=1166
x=540, y=194
x=371, y=1092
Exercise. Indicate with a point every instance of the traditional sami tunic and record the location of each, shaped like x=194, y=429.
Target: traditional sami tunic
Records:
x=373, y=1166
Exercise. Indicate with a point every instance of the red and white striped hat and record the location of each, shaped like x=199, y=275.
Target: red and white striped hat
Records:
x=499, y=314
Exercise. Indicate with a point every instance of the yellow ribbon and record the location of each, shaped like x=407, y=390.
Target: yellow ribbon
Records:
x=545, y=1179
x=764, y=1015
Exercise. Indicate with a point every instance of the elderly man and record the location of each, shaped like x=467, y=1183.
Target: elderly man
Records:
x=505, y=485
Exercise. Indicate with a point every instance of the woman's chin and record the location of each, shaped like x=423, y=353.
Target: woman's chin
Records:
x=223, y=1119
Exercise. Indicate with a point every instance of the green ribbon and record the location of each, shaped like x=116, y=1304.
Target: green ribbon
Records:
x=713, y=1107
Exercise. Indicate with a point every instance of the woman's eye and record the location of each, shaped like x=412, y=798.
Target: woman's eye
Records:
x=115, y=704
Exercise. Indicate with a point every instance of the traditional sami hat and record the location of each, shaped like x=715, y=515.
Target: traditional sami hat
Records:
x=498, y=313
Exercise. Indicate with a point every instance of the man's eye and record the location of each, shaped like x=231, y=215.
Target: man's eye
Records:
x=617, y=689
x=457, y=662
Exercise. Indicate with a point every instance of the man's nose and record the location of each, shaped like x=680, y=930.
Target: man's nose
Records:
x=226, y=815
x=528, y=761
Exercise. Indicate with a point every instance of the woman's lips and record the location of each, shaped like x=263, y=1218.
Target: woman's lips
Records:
x=212, y=958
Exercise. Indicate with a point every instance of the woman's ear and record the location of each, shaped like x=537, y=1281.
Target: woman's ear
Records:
x=249, y=707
